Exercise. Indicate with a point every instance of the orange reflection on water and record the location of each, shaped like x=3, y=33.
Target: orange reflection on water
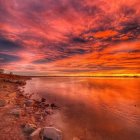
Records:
x=93, y=108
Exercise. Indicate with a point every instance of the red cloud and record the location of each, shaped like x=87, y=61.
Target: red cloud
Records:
x=69, y=36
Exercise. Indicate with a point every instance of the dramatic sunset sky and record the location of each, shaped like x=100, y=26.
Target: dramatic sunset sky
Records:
x=70, y=37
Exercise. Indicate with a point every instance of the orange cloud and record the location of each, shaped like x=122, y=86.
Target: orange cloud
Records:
x=70, y=37
x=105, y=34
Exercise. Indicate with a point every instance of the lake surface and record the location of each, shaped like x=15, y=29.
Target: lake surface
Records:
x=92, y=108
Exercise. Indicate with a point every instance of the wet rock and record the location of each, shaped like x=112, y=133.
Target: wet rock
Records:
x=47, y=105
x=2, y=103
x=53, y=106
x=43, y=100
x=20, y=82
x=50, y=133
x=40, y=103
x=28, y=128
x=36, y=103
x=16, y=112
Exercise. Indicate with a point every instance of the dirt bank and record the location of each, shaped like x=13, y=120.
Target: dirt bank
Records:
x=19, y=115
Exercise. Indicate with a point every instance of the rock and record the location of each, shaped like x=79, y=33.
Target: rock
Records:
x=28, y=128
x=50, y=133
x=40, y=103
x=16, y=112
x=53, y=105
x=48, y=111
x=2, y=103
x=20, y=82
x=28, y=102
x=36, y=103
x=35, y=134
x=43, y=100
x=47, y=105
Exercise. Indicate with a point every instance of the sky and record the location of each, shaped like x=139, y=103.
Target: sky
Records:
x=70, y=37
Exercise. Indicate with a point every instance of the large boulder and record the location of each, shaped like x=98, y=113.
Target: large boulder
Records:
x=50, y=133
x=47, y=133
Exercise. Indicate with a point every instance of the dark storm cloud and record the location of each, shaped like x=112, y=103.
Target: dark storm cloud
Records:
x=78, y=40
x=6, y=58
x=131, y=26
x=44, y=60
x=8, y=45
x=65, y=54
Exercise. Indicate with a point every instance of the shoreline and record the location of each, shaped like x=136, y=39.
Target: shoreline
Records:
x=19, y=114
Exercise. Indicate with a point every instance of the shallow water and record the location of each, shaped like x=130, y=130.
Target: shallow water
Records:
x=92, y=108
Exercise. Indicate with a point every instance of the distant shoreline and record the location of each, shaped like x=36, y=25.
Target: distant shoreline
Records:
x=92, y=76
x=28, y=77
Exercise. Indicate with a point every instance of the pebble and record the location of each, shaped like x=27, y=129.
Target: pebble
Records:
x=47, y=133
x=53, y=106
x=28, y=128
x=28, y=102
x=16, y=112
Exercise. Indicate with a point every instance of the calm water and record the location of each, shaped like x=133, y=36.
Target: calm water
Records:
x=92, y=108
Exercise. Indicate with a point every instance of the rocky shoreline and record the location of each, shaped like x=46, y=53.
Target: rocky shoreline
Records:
x=21, y=117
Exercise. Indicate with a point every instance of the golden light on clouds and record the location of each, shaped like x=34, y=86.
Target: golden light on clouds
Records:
x=69, y=37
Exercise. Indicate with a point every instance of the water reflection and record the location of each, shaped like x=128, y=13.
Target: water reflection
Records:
x=93, y=108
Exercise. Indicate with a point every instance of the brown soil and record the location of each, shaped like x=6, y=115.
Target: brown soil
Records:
x=30, y=112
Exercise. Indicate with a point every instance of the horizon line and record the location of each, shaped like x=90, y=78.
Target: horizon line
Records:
x=82, y=75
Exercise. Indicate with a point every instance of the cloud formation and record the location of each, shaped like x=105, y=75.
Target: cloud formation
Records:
x=70, y=37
